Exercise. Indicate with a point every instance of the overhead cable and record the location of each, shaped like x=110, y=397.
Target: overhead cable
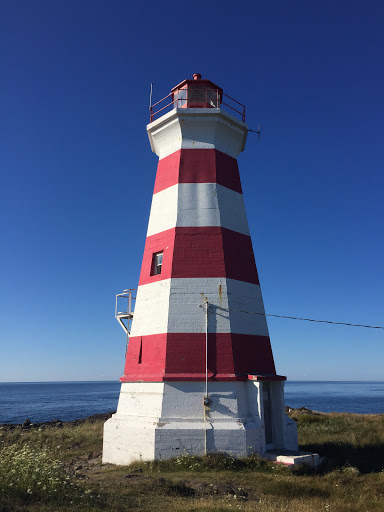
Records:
x=299, y=318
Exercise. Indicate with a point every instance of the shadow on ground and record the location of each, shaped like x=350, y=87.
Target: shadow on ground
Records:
x=367, y=459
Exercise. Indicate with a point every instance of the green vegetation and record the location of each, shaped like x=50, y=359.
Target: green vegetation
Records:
x=29, y=473
x=353, y=439
x=58, y=468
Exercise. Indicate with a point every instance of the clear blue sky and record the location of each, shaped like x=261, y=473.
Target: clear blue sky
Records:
x=78, y=172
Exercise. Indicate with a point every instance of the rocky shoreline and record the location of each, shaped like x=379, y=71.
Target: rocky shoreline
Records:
x=27, y=425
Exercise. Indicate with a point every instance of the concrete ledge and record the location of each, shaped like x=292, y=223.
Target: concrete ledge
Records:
x=293, y=458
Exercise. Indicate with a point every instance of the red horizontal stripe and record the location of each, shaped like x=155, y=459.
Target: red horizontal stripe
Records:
x=181, y=356
x=146, y=356
x=200, y=252
x=197, y=166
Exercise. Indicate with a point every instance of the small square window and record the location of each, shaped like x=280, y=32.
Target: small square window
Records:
x=157, y=263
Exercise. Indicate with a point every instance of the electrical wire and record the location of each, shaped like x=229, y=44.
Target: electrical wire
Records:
x=299, y=318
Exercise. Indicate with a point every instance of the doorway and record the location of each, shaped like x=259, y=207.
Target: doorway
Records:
x=267, y=406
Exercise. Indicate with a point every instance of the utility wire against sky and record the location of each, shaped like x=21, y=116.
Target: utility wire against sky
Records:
x=299, y=318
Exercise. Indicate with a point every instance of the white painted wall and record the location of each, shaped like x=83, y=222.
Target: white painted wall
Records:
x=197, y=128
x=246, y=297
x=197, y=204
x=232, y=210
x=164, y=420
x=151, y=309
x=172, y=305
x=163, y=214
x=138, y=399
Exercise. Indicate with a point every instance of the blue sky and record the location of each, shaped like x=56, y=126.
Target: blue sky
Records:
x=78, y=172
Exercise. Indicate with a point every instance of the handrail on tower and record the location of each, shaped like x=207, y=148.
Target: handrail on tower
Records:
x=124, y=309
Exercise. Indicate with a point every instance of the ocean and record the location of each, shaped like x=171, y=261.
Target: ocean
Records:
x=46, y=401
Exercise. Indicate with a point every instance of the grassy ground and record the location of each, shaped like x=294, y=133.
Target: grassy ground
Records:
x=59, y=468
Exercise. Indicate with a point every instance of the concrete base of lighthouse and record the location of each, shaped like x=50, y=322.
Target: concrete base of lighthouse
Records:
x=161, y=420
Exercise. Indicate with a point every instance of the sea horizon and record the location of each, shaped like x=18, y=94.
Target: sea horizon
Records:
x=68, y=400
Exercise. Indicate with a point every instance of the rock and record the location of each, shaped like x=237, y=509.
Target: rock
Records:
x=201, y=487
x=27, y=423
x=241, y=492
x=225, y=489
x=348, y=469
x=300, y=409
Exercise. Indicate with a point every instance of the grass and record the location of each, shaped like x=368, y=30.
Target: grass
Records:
x=353, y=439
x=59, y=469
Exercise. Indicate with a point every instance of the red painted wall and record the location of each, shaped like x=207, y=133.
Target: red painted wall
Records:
x=198, y=166
x=181, y=356
x=200, y=252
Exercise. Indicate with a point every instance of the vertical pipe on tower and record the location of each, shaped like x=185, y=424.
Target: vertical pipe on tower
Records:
x=206, y=351
x=206, y=399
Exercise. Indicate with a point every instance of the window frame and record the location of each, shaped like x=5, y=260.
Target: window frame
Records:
x=156, y=268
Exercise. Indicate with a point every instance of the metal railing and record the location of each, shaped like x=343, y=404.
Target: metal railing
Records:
x=124, y=306
x=124, y=311
x=197, y=98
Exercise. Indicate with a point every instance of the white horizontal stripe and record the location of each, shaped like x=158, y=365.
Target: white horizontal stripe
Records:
x=232, y=210
x=151, y=308
x=197, y=204
x=173, y=305
x=163, y=214
x=197, y=128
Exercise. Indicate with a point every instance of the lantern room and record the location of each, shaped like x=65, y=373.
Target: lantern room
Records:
x=197, y=93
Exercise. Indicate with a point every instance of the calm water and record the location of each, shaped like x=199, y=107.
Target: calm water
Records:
x=72, y=400
x=358, y=397
x=46, y=401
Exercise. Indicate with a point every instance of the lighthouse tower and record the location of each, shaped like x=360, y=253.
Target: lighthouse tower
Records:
x=199, y=374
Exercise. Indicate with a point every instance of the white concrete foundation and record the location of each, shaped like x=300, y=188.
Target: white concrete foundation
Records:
x=161, y=420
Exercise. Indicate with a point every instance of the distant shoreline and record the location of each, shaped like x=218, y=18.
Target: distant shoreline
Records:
x=27, y=424
x=57, y=423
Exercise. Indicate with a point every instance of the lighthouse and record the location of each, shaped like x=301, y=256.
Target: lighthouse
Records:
x=199, y=375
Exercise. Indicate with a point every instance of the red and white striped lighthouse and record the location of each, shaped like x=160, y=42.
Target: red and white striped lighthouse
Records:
x=199, y=374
